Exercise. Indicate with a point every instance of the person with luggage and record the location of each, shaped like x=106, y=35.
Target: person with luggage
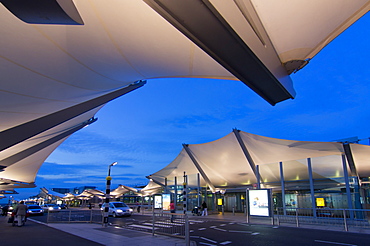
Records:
x=20, y=213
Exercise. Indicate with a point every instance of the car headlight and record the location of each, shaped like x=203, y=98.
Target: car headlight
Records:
x=130, y=210
x=51, y=208
x=119, y=210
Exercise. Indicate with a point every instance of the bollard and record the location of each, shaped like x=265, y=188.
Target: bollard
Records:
x=223, y=209
x=234, y=210
x=296, y=216
x=345, y=220
x=187, y=231
x=91, y=216
x=153, y=224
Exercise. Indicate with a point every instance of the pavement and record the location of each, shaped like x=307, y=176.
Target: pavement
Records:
x=61, y=234
x=58, y=234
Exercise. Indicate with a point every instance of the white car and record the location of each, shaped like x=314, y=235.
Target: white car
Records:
x=117, y=209
x=35, y=209
x=50, y=208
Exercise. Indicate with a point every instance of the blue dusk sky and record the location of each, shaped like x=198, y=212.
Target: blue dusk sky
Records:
x=144, y=130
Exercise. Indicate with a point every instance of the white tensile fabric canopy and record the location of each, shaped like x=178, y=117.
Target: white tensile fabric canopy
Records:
x=151, y=188
x=56, y=76
x=121, y=190
x=224, y=164
x=90, y=193
x=52, y=194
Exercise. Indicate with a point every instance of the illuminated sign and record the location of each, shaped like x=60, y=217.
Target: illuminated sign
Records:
x=166, y=198
x=259, y=202
x=219, y=201
x=158, y=201
x=320, y=202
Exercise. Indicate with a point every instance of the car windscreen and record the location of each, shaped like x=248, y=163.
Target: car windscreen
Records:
x=33, y=207
x=119, y=205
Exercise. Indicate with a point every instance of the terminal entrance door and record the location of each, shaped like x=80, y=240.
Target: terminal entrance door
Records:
x=230, y=203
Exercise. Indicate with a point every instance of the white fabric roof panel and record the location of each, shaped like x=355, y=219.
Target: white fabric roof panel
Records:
x=151, y=188
x=121, y=190
x=361, y=158
x=218, y=156
x=225, y=164
x=48, y=68
x=268, y=150
x=300, y=29
x=25, y=169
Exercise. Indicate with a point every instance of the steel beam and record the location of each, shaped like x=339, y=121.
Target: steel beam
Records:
x=17, y=134
x=201, y=22
x=200, y=170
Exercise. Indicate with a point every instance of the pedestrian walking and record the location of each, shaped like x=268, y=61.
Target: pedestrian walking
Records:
x=173, y=210
x=204, y=209
x=20, y=212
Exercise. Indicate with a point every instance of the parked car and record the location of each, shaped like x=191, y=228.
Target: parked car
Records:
x=34, y=209
x=117, y=209
x=50, y=207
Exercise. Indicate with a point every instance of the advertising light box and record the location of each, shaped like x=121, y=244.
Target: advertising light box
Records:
x=157, y=201
x=259, y=202
x=166, y=201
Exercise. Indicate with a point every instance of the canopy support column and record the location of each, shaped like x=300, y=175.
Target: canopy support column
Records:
x=354, y=174
x=258, y=177
x=312, y=190
x=282, y=182
x=198, y=183
x=346, y=180
x=195, y=162
x=175, y=198
x=246, y=153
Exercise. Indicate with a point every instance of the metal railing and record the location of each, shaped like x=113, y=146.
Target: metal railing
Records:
x=164, y=223
x=75, y=216
x=343, y=218
x=170, y=223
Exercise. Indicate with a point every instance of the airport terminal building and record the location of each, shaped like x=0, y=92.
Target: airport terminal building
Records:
x=300, y=174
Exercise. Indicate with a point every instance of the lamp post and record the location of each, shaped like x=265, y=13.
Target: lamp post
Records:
x=107, y=195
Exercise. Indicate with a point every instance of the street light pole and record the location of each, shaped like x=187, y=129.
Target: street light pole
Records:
x=107, y=196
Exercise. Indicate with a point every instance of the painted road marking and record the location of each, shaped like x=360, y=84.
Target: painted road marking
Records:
x=159, y=225
x=201, y=229
x=336, y=243
x=209, y=240
x=226, y=242
x=145, y=227
x=168, y=223
x=207, y=244
x=242, y=231
x=219, y=229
